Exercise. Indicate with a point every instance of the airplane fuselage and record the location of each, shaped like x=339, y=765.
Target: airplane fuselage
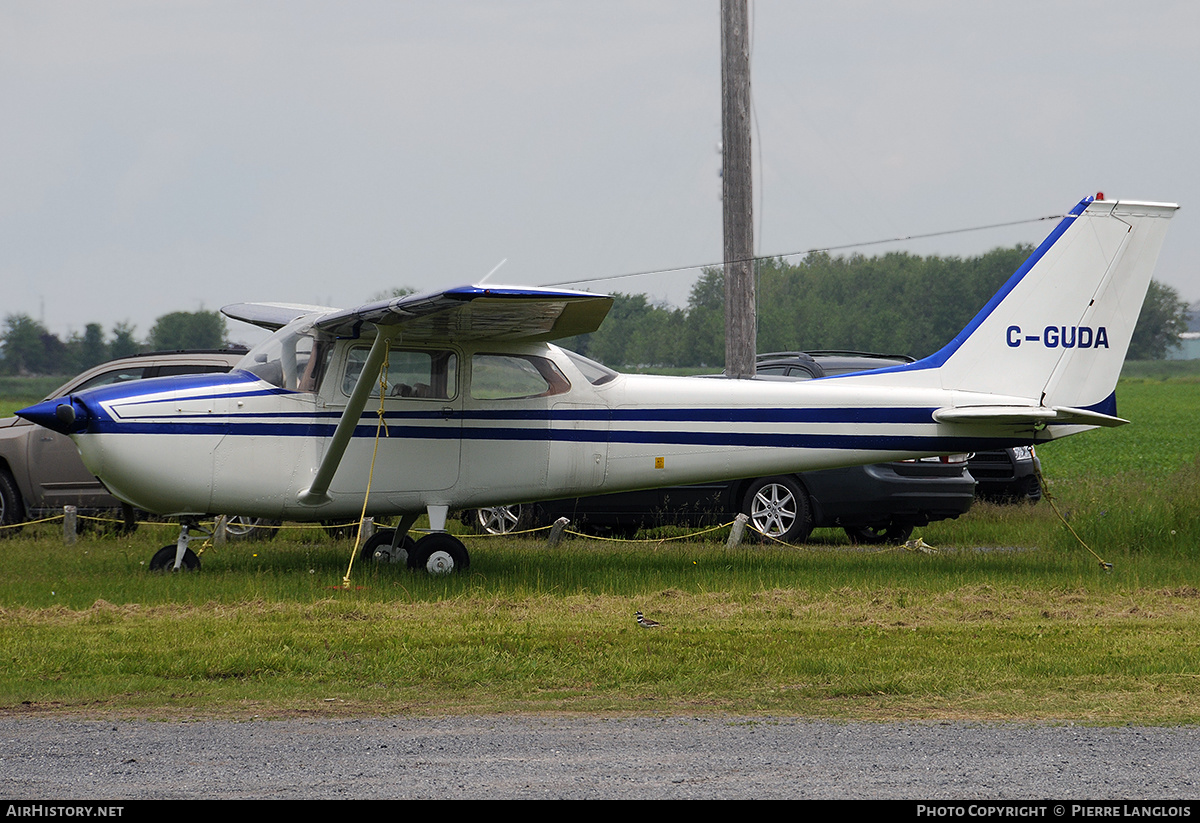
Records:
x=477, y=426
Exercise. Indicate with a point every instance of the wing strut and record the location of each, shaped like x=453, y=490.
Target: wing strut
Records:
x=318, y=493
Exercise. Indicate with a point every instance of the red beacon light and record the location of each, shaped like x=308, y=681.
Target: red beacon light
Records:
x=1099, y=195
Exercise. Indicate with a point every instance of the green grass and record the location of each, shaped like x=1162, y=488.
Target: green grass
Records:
x=1161, y=438
x=19, y=392
x=270, y=630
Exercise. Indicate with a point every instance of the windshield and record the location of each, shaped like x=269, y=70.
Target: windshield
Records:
x=295, y=358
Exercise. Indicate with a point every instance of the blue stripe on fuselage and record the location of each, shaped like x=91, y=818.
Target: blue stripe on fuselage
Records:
x=783, y=440
x=716, y=415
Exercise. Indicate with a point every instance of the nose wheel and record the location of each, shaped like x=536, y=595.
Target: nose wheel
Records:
x=384, y=547
x=178, y=557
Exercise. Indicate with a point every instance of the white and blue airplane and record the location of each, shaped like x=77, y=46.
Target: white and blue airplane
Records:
x=453, y=400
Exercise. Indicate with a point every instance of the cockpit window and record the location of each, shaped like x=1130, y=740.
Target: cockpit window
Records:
x=293, y=358
x=513, y=376
x=410, y=373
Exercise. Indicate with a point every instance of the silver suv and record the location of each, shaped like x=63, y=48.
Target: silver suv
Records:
x=40, y=470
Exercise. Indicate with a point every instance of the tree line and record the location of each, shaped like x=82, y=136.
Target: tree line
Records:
x=27, y=347
x=896, y=303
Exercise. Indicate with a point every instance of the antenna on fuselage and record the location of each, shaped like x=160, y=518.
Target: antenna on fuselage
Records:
x=493, y=271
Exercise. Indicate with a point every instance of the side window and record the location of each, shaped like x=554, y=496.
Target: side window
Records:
x=512, y=376
x=410, y=373
x=596, y=373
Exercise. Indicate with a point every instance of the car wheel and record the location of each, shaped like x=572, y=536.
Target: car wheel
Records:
x=874, y=535
x=11, y=510
x=340, y=530
x=251, y=528
x=499, y=519
x=129, y=519
x=117, y=522
x=378, y=548
x=778, y=507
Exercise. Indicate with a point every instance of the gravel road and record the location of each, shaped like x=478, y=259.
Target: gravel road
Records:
x=553, y=757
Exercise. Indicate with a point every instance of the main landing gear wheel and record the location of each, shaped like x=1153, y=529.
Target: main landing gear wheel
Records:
x=164, y=560
x=439, y=553
x=378, y=548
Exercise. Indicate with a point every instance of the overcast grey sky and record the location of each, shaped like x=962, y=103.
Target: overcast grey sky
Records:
x=164, y=156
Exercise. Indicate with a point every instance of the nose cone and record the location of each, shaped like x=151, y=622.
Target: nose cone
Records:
x=65, y=415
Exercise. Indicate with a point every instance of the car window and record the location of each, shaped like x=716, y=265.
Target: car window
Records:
x=797, y=372
x=108, y=378
x=185, y=368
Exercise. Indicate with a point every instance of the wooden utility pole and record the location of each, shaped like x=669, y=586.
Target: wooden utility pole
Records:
x=736, y=190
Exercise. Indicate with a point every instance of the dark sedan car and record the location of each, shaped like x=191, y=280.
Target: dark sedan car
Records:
x=1001, y=475
x=873, y=504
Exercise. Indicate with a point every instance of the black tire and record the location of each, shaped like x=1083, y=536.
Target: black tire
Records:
x=114, y=522
x=439, y=553
x=778, y=507
x=894, y=533
x=129, y=519
x=164, y=560
x=12, y=511
x=498, y=519
x=378, y=548
x=340, y=530
x=251, y=528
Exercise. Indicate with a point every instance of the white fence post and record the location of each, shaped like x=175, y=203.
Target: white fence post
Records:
x=737, y=532
x=556, y=532
x=70, y=525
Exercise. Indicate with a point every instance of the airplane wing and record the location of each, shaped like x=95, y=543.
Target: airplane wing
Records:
x=478, y=313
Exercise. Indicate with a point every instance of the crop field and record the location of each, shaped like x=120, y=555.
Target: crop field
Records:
x=1008, y=617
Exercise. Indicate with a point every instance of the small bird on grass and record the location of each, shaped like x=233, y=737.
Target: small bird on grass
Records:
x=646, y=623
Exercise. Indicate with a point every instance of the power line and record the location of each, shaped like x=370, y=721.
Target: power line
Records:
x=784, y=255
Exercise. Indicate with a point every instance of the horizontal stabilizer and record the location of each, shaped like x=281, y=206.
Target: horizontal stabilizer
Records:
x=1031, y=415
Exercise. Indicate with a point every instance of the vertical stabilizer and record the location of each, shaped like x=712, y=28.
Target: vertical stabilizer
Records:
x=1058, y=331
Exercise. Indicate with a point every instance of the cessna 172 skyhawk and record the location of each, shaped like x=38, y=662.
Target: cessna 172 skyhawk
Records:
x=479, y=409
